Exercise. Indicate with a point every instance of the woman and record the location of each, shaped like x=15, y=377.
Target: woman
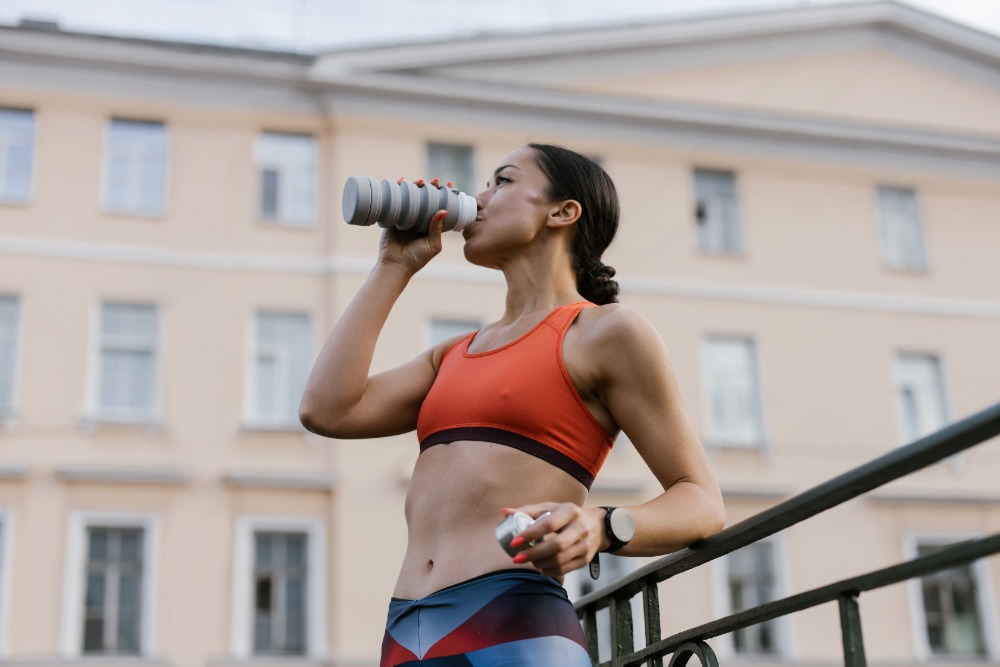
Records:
x=517, y=417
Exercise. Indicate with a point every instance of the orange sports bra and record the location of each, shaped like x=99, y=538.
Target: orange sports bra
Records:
x=519, y=395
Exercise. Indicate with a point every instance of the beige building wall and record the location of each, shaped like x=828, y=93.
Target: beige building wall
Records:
x=826, y=316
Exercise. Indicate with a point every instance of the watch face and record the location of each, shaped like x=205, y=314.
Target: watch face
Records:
x=622, y=525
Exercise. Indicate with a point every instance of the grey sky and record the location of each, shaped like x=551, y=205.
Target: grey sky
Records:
x=310, y=25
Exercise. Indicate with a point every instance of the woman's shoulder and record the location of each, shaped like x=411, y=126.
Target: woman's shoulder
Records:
x=613, y=321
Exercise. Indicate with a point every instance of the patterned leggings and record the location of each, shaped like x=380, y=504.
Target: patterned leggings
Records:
x=511, y=618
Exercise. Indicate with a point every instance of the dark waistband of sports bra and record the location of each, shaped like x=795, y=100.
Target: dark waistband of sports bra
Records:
x=520, y=442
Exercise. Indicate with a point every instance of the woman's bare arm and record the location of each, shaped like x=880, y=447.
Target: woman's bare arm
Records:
x=340, y=399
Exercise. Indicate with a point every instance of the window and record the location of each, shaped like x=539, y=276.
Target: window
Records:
x=751, y=582
x=900, y=229
x=280, y=582
x=287, y=165
x=279, y=588
x=732, y=392
x=8, y=353
x=919, y=395
x=113, y=599
x=136, y=178
x=109, y=594
x=281, y=365
x=17, y=154
x=452, y=162
x=952, y=606
x=720, y=230
x=127, y=362
x=442, y=330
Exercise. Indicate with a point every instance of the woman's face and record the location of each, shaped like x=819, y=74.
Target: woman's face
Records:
x=512, y=209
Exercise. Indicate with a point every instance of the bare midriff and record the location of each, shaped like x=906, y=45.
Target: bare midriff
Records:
x=454, y=505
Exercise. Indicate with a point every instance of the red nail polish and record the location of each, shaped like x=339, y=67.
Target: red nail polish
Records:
x=520, y=558
x=419, y=182
x=516, y=542
x=449, y=184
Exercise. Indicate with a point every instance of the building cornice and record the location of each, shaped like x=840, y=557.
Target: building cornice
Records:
x=972, y=43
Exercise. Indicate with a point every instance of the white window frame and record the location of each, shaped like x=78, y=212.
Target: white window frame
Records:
x=6, y=569
x=786, y=648
x=94, y=413
x=711, y=438
x=469, y=187
x=241, y=626
x=106, y=172
x=71, y=630
x=8, y=415
x=251, y=419
x=34, y=160
x=892, y=256
x=984, y=589
x=942, y=388
x=739, y=247
x=282, y=217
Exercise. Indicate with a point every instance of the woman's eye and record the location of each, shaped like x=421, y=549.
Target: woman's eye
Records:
x=501, y=179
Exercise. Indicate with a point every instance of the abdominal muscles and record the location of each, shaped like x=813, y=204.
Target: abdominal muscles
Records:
x=454, y=504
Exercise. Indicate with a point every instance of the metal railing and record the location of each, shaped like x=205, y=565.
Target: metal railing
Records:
x=683, y=645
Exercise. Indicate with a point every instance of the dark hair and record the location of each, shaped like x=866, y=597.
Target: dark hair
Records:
x=575, y=176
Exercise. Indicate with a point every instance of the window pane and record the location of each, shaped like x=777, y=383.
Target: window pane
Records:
x=920, y=395
x=112, y=614
x=127, y=367
x=8, y=350
x=280, y=585
x=718, y=214
x=752, y=583
x=951, y=609
x=900, y=229
x=17, y=147
x=452, y=162
x=733, y=405
x=284, y=359
x=288, y=168
x=137, y=166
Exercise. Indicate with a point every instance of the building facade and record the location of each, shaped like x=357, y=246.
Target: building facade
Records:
x=811, y=219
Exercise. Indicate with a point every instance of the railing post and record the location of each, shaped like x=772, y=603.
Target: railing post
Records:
x=590, y=634
x=850, y=628
x=651, y=616
x=621, y=628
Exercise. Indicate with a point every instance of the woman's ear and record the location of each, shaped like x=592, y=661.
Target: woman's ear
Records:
x=564, y=213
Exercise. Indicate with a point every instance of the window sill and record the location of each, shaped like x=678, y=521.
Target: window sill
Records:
x=277, y=223
x=730, y=446
x=262, y=660
x=117, y=660
x=251, y=426
x=150, y=424
x=150, y=216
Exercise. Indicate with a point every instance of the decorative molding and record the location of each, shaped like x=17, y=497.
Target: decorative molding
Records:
x=933, y=498
x=281, y=481
x=466, y=273
x=755, y=493
x=120, y=475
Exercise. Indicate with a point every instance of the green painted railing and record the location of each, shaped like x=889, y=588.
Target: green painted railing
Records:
x=643, y=582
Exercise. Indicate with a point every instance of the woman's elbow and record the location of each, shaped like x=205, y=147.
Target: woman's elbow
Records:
x=316, y=420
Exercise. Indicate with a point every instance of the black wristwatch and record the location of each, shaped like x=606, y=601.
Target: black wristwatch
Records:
x=619, y=526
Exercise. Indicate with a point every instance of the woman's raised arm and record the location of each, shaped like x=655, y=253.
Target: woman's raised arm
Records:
x=340, y=399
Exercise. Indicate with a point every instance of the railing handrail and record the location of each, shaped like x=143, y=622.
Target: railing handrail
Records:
x=898, y=463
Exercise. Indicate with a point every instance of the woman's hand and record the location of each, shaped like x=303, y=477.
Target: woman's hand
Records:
x=412, y=250
x=572, y=536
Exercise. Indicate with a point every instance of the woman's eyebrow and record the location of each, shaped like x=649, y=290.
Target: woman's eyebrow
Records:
x=499, y=169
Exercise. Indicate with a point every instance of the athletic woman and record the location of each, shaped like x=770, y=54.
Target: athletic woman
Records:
x=517, y=417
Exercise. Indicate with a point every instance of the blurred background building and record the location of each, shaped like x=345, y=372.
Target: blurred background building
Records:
x=811, y=203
